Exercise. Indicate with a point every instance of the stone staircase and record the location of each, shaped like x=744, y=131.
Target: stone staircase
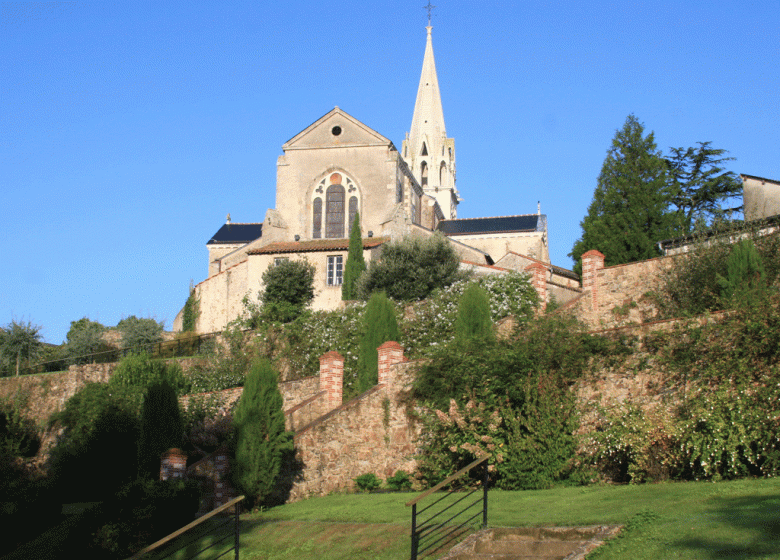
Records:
x=532, y=543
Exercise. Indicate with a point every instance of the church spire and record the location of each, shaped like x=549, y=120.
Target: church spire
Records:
x=428, y=151
x=428, y=118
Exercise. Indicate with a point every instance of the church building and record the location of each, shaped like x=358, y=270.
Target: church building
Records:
x=337, y=167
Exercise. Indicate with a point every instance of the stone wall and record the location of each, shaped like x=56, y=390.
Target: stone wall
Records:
x=372, y=433
x=618, y=295
x=46, y=393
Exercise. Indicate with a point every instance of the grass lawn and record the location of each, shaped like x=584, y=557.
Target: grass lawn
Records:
x=737, y=520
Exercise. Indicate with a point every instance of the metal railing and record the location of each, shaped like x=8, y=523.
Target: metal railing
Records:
x=197, y=534
x=433, y=532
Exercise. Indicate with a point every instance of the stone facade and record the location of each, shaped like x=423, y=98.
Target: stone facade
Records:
x=338, y=166
x=761, y=197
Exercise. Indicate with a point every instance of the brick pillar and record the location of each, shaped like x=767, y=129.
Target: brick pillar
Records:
x=223, y=491
x=173, y=464
x=592, y=262
x=538, y=274
x=332, y=377
x=390, y=353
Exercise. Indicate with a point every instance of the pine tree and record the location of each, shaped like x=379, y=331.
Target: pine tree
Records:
x=379, y=326
x=629, y=213
x=260, y=438
x=162, y=427
x=356, y=264
x=745, y=276
x=473, y=322
x=700, y=186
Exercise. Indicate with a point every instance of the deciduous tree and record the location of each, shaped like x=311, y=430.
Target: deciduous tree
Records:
x=19, y=341
x=84, y=338
x=137, y=333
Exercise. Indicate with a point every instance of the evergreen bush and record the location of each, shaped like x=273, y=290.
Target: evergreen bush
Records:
x=411, y=269
x=260, y=438
x=356, y=264
x=473, y=321
x=745, y=276
x=161, y=427
x=379, y=326
x=288, y=290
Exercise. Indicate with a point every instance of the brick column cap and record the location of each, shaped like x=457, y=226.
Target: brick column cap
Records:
x=391, y=344
x=593, y=253
x=331, y=355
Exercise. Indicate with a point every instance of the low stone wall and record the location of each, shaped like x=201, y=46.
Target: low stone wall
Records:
x=372, y=433
x=619, y=295
x=46, y=393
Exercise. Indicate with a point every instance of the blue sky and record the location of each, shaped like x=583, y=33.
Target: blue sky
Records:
x=128, y=130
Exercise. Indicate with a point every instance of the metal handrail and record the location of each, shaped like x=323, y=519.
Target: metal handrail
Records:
x=427, y=528
x=232, y=503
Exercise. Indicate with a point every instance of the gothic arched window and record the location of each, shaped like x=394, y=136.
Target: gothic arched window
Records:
x=442, y=174
x=316, y=229
x=423, y=175
x=334, y=211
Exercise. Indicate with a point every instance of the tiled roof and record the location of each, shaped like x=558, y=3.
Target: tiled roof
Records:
x=237, y=233
x=315, y=245
x=498, y=224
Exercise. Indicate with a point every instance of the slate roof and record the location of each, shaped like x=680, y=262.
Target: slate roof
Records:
x=498, y=224
x=315, y=245
x=237, y=233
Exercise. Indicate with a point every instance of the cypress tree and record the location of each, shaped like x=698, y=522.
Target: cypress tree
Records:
x=260, y=438
x=356, y=264
x=473, y=322
x=379, y=326
x=162, y=427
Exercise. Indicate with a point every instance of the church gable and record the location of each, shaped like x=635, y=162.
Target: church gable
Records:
x=336, y=129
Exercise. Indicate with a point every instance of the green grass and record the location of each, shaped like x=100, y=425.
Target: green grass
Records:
x=737, y=520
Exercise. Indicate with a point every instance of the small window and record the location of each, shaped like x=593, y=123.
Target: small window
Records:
x=424, y=150
x=335, y=271
x=424, y=174
x=280, y=260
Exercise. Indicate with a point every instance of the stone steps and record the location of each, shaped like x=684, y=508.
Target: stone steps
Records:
x=532, y=543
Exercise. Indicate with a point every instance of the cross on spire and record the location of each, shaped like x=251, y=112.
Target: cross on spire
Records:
x=430, y=8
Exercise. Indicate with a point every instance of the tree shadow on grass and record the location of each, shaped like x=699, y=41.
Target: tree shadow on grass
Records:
x=754, y=520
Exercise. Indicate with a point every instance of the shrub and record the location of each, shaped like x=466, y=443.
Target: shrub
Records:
x=190, y=312
x=84, y=338
x=161, y=427
x=226, y=367
x=473, y=321
x=691, y=287
x=368, y=482
x=288, y=290
x=379, y=326
x=411, y=269
x=140, y=371
x=138, y=334
x=260, y=437
x=745, y=277
x=400, y=481
x=100, y=422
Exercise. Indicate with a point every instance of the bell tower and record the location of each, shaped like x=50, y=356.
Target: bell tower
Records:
x=427, y=150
